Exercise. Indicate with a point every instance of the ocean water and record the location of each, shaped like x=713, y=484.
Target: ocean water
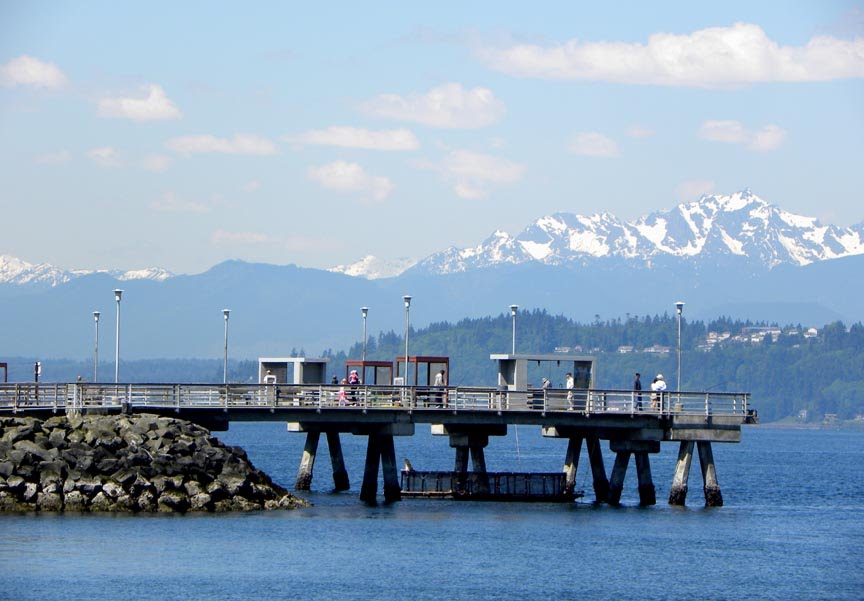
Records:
x=792, y=528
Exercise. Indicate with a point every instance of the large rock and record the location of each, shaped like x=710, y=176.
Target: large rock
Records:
x=127, y=463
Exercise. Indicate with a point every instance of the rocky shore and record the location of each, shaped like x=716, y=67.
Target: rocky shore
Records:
x=127, y=463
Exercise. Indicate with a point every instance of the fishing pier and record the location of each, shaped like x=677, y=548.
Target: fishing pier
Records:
x=632, y=423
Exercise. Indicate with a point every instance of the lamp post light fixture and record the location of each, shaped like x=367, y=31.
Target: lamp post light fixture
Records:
x=96, y=315
x=365, y=311
x=679, y=306
x=225, y=314
x=407, y=299
x=513, y=310
x=117, y=295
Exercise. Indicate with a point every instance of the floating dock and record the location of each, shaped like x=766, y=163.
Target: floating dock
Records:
x=489, y=486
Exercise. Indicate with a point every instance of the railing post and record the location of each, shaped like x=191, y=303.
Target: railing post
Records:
x=707, y=404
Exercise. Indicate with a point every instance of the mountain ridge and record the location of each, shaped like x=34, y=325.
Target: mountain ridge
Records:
x=712, y=229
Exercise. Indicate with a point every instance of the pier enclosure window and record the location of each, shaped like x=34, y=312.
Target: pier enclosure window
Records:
x=377, y=373
x=421, y=370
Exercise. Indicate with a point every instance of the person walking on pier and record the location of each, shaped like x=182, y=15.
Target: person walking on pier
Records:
x=637, y=389
x=569, y=383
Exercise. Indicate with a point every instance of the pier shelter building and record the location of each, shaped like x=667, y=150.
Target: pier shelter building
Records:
x=293, y=370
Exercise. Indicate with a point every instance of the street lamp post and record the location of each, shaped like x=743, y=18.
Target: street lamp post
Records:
x=365, y=311
x=96, y=315
x=225, y=313
x=407, y=300
x=513, y=310
x=679, y=306
x=117, y=294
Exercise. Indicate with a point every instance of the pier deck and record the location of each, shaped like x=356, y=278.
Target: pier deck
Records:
x=633, y=423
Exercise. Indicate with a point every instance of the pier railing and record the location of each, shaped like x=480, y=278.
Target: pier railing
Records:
x=60, y=396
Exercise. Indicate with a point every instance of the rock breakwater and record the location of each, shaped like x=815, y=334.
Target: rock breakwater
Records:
x=127, y=463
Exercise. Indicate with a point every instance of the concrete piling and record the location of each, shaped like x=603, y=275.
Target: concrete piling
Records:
x=619, y=471
x=713, y=496
x=340, y=474
x=307, y=463
x=571, y=462
x=647, y=494
x=598, y=471
x=678, y=492
x=392, y=489
x=369, y=488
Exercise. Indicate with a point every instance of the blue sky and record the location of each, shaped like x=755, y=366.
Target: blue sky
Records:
x=183, y=134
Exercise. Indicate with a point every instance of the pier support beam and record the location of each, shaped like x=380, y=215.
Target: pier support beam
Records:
x=640, y=450
x=647, y=493
x=571, y=463
x=471, y=445
x=598, y=471
x=713, y=497
x=340, y=474
x=307, y=463
x=369, y=488
x=392, y=489
x=380, y=449
x=619, y=471
x=678, y=492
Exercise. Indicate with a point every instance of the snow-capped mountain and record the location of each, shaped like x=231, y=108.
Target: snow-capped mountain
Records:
x=713, y=227
x=373, y=268
x=16, y=271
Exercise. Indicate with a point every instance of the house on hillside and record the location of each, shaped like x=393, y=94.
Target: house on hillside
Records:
x=657, y=349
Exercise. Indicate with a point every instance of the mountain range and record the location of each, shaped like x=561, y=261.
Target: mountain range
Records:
x=734, y=255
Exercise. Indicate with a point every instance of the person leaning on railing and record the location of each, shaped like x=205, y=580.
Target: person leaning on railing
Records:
x=658, y=387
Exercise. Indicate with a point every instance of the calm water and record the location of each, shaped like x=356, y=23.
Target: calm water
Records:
x=792, y=528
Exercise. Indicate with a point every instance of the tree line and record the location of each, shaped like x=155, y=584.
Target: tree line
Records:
x=794, y=375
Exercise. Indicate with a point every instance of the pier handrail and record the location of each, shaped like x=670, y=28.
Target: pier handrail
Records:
x=78, y=396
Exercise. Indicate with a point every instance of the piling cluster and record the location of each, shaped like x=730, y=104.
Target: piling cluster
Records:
x=127, y=463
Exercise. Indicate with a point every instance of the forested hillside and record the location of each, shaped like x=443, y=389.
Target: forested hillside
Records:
x=820, y=372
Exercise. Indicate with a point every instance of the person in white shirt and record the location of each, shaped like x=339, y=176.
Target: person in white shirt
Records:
x=658, y=387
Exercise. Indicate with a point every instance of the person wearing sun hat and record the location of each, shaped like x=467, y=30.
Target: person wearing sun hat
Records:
x=658, y=386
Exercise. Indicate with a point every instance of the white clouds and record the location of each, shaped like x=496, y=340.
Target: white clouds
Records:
x=239, y=144
x=448, y=106
x=104, y=156
x=689, y=190
x=342, y=176
x=252, y=186
x=770, y=137
x=31, y=72
x=171, y=203
x=154, y=106
x=593, y=144
x=473, y=174
x=713, y=57
x=356, y=137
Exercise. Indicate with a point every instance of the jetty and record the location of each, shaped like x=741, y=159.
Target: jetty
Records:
x=633, y=423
